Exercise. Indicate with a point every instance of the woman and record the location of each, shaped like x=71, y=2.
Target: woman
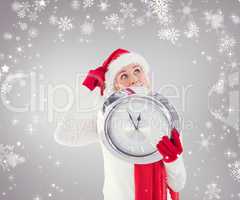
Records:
x=161, y=180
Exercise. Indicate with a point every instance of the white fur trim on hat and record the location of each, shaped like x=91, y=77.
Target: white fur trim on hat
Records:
x=116, y=65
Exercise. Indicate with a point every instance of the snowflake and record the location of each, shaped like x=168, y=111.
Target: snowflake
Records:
x=21, y=8
x=7, y=36
x=33, y=32
x=40, y=5
x=139, y=21
x=220, y=85
x=235, y=170
x=213, y=191
x=9, y=159
x=21, y=14
x=37, y=197
x=111, y=21
x=19, y=49
x=75, y=4
x=215, y=20
x=226, y=44
x=170, y=34
x=65, y=23
x=161, y=9
x=87, y=28
x=23, y=26
x=192, y=30
x=235, y=19
x=60, y=37
x=229, y=154
x=29, y=129
x=6, y=88
x=53, y=20
x=5, y=68
x=25, y=6
x=127, y=10
x=186, y=10
x=205, y=141
x=16, y=6
x=88, y=3
x=33, y=16
x=103, y=5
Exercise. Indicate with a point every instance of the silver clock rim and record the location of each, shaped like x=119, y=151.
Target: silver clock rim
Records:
x=149, y=158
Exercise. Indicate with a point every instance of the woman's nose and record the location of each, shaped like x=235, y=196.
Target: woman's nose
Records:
x=134, y=79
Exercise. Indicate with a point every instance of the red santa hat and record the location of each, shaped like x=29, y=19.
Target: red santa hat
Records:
x=103, y=76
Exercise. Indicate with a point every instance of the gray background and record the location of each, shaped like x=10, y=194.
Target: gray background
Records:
x=36, y=167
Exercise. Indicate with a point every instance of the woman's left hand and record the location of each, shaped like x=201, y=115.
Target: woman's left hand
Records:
x=170, y=148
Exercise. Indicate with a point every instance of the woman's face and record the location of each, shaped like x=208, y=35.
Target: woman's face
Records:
x=131, y=75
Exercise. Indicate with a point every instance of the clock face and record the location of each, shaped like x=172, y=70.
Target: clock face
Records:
x=136, y=125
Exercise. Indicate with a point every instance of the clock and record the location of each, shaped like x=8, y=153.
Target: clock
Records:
x=133, y=120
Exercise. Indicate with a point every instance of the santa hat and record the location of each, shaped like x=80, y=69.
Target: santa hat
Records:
x=103, y=76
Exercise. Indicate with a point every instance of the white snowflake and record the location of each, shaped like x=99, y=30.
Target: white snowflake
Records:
x=24, y=6
x=87, y=28
x=23, y=26
x=205, y=141
x=235, y=170
x=103, y=5
x=21, y=14
x=37, y=197
x=88, y=3
x=212, y=192
x=9, y=159
x=30, y=129
x=5, y=88
x=192, y=30
x=111, y=21
x=16, y=6
x=215, y=20
x=40, y=5
x=53, y=20
x=235, y=19
x=33, y=16
x=230, y=154
x=186, y=10
x=5, y=68
x=220, y=85
x=226, y=44
x=75, y=4
x=127, y=9
x=65, y=23
x=139, y=21
x=170, y=34
x=21, y=8
x=7, y=36
x=161, y=9
x=33, y=32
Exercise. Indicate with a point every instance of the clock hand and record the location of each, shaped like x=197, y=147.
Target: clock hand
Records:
x=138, y=119
x=132, y=120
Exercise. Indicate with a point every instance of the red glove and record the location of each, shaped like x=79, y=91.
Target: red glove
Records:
x=170, y=148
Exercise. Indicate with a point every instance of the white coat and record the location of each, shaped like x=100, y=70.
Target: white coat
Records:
x=77, y=130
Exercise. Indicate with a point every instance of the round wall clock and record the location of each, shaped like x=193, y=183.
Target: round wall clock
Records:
x=133, y=121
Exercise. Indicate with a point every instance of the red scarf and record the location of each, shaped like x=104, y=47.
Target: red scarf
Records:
x=151, y=182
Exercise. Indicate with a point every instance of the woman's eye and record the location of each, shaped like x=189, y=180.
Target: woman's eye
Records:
x=137, y=71
x=124, y=76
